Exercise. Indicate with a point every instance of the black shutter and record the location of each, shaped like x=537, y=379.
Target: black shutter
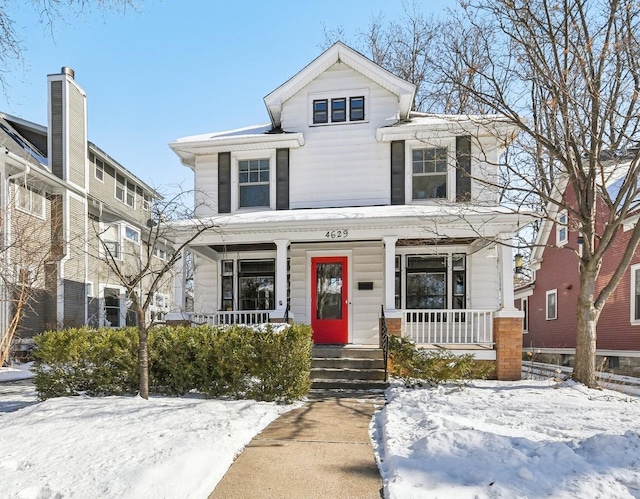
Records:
x=282, y=179
x=397, y=172
x=463, y=168
x=224, y=182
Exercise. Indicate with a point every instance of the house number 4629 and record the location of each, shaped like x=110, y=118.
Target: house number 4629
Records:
x=337, y=234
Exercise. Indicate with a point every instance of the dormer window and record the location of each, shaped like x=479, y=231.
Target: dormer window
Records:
x=320, y=111
x=356, y=108
x=338, y=108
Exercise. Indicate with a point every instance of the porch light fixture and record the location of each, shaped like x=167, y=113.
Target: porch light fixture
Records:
x=519, y=261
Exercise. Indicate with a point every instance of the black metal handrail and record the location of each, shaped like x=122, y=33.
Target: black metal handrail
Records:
x=384, y=340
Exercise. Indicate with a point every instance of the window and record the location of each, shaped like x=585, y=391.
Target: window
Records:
x=132, y=234
x=121, y=185
x=398, y=286
x=111, y=241
x=112, y=314
x=429, y=173
x=256, y=284
x=459, y=281
x=320, y=111
x=227, y=285
x=356, y=109
x=29, y=200
x=146, y=202
x=99, y=169
x=253, y=179
x=524, y=307
x=125, y=191
x=344, y=107
x=338, y=110
x=159, y=306
x=562, y=229
x=635, y=294
x=552, y=304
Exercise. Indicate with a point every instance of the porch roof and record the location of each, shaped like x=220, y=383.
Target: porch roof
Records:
x=440, y=220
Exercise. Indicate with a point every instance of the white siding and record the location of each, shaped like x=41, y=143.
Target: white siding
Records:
x=206, y=186
x=484, y=280
x=205, y=286
x=346, y=151
x=485, y=165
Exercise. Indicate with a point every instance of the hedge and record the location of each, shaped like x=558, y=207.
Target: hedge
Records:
x=237, y=361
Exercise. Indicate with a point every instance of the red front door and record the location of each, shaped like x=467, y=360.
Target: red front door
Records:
x=329, y=310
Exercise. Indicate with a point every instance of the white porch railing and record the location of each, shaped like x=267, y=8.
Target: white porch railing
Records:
x=448, y=327
x=235, y=317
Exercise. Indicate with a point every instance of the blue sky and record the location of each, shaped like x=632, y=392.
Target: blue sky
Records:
x=177, y=67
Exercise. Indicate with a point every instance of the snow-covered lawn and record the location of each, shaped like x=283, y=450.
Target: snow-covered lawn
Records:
x=509, y=440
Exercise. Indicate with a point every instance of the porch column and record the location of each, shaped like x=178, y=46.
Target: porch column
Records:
x=179, y=284
x=282, y=246
x=505, y=266
x=389, y=272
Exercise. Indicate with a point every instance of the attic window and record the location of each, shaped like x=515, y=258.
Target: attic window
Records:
x=338, y=108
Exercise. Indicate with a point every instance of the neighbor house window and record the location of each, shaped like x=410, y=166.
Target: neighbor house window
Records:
x=256, y=284
x=552, y=305
x=99, y=169
x=338, y=110
x=321, y=111
x=110, y=245
x=146, y=202
x=29, y=200
x=125, y=191
x=429, y=173
x=253, y=179
x=356, y=109
x=524, y=306
x=112, y=315
x=635, y=293
x=561, y=229
x=121, y=185
x=132, y=234
x=131, y=195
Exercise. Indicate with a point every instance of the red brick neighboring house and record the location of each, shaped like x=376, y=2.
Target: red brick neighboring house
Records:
x=550, y=299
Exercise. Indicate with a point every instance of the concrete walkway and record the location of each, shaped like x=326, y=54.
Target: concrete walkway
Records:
x=321, y=450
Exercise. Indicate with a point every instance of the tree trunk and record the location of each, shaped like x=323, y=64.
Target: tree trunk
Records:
x=584, y=369
x=143, y=360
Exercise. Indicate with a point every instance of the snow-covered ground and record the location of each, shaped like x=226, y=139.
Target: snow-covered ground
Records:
x=493, y=439
x=525, y=439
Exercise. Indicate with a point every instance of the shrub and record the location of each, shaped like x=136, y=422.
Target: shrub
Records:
x=434, y=367
x=236, y=361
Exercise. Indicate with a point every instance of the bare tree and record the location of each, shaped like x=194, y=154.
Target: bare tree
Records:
x=566, y=74
x=24, y=253
x=142, y=274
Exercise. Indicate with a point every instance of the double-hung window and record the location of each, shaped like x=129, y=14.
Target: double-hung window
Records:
x=121, y=186
x=338, y=110
x=429, y=167
x=125, y=191
x=253, y=181
x=256, y=284
x=29, y=200
x=562, y=231
x=111, y=241
x=99, y=169
x=321, y=111
x=552, y=305
x=356, y=108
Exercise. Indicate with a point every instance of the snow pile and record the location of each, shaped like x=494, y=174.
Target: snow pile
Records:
x=520, y=439
x=124, y=447
x=16, y=372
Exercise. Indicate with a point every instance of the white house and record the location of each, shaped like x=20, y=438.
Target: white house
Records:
x=346, y=203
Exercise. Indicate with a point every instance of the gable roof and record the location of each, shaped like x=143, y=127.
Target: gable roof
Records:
x=339, y=52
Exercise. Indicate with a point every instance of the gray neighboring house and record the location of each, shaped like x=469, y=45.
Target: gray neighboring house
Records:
x=60, y=194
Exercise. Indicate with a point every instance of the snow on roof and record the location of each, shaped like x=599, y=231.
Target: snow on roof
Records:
x=248, y=131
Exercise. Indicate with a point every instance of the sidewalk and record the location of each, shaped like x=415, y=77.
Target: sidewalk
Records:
x=321, y=450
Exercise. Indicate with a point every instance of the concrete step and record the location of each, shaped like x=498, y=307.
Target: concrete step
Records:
x=347, y=363
x=350, y=385
x=347, y=374
x=339, y=351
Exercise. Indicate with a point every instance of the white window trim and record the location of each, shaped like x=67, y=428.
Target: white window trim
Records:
x=342, y=94
x=95, y=169
x=31, y=192
x=103, y=228
x=124, y=234
x=146, y=201
x=559, y=227
x=450, y=145
x=123, y=307
x=127, y=184
x=632, y=318
x=236, y=157
x=546, y=305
